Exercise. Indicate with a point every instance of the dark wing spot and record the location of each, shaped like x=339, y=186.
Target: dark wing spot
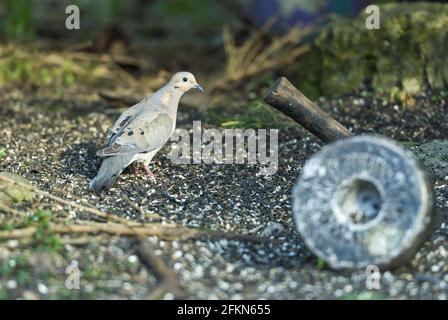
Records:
x=130, y=133
x=142, y=133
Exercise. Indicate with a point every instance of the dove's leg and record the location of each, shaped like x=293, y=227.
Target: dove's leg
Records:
x=132, y=168
x=145, y=159
x=148, y=172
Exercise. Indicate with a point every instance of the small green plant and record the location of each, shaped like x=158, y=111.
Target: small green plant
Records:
x=13, y=266
x=25, y=69
x=43, y=239
x=3, y=294
x=2, y=153
x=409, y=144
x=256, y=115
x=18, y=22
x=92, y=272
x=320, y=264
x=22, y=276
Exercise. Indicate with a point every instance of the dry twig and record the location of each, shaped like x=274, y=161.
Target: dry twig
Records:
x=161, y=231
x=123, y=227
x=169, y=282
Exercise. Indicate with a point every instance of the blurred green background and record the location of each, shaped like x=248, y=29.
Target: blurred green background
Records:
x=402, y=59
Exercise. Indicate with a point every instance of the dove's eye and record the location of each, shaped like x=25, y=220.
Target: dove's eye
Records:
x=185, y=79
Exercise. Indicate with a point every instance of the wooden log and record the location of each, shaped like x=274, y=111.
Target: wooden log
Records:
x=285, y=97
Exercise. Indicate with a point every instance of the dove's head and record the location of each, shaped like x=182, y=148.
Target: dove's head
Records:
x=185, y=81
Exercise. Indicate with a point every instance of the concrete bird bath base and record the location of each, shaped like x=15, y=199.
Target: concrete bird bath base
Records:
x=360, y=201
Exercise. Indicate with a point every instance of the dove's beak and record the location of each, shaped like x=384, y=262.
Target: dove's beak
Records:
x=196, y=86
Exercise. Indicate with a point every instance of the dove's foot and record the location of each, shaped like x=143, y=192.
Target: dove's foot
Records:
x=148, y=172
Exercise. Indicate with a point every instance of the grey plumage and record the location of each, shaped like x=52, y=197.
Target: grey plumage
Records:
x=141, y=131
x=109, y=171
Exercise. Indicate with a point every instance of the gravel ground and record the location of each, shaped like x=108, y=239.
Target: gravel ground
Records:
x=55, y=150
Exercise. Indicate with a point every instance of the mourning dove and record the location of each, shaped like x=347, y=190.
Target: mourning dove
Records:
x=142, y=130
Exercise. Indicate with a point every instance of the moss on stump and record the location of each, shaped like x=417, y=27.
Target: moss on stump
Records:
x=406, y=55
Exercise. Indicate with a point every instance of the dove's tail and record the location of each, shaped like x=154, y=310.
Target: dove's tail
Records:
x=109, y=171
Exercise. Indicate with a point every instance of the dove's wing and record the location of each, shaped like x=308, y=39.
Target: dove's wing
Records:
x=142, y=132
x=123, y=121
